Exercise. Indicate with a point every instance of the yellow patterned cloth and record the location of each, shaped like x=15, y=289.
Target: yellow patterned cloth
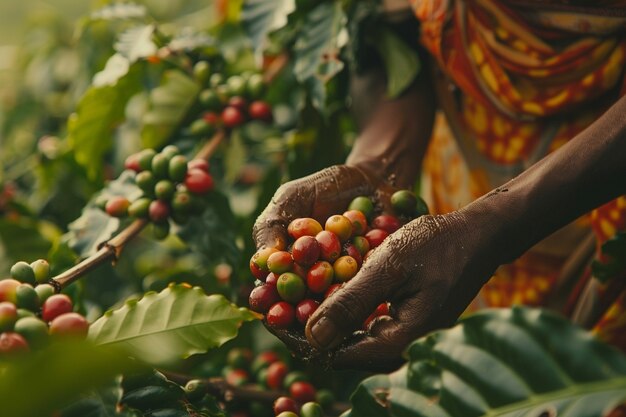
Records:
x=519, y=79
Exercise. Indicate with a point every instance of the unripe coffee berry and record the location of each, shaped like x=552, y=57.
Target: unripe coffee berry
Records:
x=23, y=272
x=305, y=309
x=145, y=181
x=182, y=202
x=177, y=170
x=210, y=99
x=340, y=226
x=26, y=297
x=55, y=306
x=41, y=269
x=44, y=291
x=361, y=244
x=304, y=226
x=202, y=71
x=255, y=85
x=164, y=190
x=279, y=262
x=161, y=230
x=69, y=324
x=139, y=208
x=145, y=159
x=170, y=151
x=306, y=251
x=320, y=276
x=290, y=287
x=117, y=206
x=236, y=85
x=358, y=220
x=330, y=246
x=34, y=330
x=345, y=268
x=281, y=315
x=158, y=211
x=198, y=181
x=261, y=256
x=364, y=205
x=311, y=409
x=294, y=376
x=404, y=202
x=160, y=165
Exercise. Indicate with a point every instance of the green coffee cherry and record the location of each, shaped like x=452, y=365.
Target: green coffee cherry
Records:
x=145, y=180
x=182, y=202
x=41, y=269
x=364, y=205
x=325, y=398
x=236, y=85
x=23, y=272
x=311, y=409
x=160, y=230
x=202, y=71
x=404, y=202
x=210, y=99
x=195, y=389
x=160, y=165
x=145, y=159
x=43, y=292
x=216, y=79
x=22, y=312
x=171, y=151
x=200, y=127
x=294, y=376
x=34, y=330
x=255, y=86
x=164, y=190
x=139, y=208
x=26, y=297
x=177, y=169
x=422, y=207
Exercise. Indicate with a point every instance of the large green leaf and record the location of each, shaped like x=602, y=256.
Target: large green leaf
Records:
x=401, y=62
x=169, y=104
x=259, y=17
x=173, y=324
x=506, y=362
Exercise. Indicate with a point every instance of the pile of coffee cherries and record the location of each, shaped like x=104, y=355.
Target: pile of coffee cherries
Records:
x=268, y=371
x=172, y=189
x=31, y=313
x=231, y=102
x=292, y=283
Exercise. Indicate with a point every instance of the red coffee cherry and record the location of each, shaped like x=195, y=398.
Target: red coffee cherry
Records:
x=351, y=250
x=283, y=404
x=330, y=246
x=320, y=276
x=56, y=305
x=358, y=220
x=263, y=297
x=340, y=226
x=381, y=310
x=69, y=324
x=158, y=211
x=132, y=162
x=375, y=237
x=8, y=315
x=299, y=270
x=281, y=315
x=302, y=391
x=237, y=377
x=260, y=110
x=305, y=251
x=7, y=289
x=276, y=373
x=232, y=117
x=199, y=181
x=212, y=118
x=11, y=342
x=271, y=279
x=305, y=309
x=238, y=102
x=117, y=206
x=331, y=290
x=345, y=268
x=304, y=226
x=387, y=223
x=198, y=163
x=279, y=262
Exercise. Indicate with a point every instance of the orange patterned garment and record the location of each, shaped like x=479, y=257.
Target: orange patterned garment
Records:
x=520, y=78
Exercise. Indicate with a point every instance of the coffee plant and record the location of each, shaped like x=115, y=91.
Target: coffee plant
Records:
x=140, y=143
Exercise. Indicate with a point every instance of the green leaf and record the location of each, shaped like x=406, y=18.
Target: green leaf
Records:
x=169, y=104
x=100, y=110
x=260, y=17
x=401, y=62
x=177, y=322
x=98, y=403
x=500, y=362
x=56, y=376
x=317, y=49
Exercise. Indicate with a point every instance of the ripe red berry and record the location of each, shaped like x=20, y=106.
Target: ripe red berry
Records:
x=305, y=309
x=351, y=250
x=387, y=223
x=375, y=237
x=330, y=291
x=271, y=279
x=56, y=305
x=302, y=391
x=212, y=118
x=299, y=270
x=158, y=211
x=260, y=110
x=232, y=117
x=339, y=225
x=279, y=262
x=132, y=162
x=330, y=246
x=381, y=310
x=304, y=226
x=276, y=373
x=198, y=163
x=263, y=297
x=69, y=324
x=305, y=251
x=358, y=220
x=238, y=102
x=237, y=377
x=320, y=276
x=283, y=404
x=257, y=272
x=199, y=181
x=117, y=206
x=11, y=342
x=281, y=315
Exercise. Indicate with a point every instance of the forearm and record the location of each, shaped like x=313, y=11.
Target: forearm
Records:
x=585, y=173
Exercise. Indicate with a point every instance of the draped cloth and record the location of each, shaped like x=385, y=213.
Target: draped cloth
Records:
x=516, y=80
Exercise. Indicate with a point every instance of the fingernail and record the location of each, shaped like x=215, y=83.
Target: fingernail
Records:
x=324, y=332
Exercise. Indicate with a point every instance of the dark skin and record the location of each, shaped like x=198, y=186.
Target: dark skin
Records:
x=433, y=267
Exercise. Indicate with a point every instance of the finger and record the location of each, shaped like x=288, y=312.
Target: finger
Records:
x=346, y=309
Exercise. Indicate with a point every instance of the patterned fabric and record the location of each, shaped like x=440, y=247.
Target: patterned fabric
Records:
x=523, y=77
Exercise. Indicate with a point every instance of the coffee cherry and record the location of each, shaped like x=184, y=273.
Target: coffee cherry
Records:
x=294, y=376
x=158, y=211
x=345, y=268
x=145, y=159
x=320, y=276
x=210, y=100
x=271, y=279
x=22, y=312
x=302, y=392
x=198, y=181
x=422, y=208
x=276, y=374
x=200, y=127
x=263, y=297
x=364, y=205
x=237, y=377
x=69, y=324
x=287, y=414
x=281, y=315
x=34, y=330
x=330, y=246
x=26, y=297
x=305, y=309
x=279, y=262
x=260, y=258
x=198, y=163
x=117, y=206
x=164, y=190
x=41, y=269
x=260, y=110
x=367, y=255
x=311, y=409
x=351, y=250
x=146, y=181
x=232, y=117
x=132, y=162
x=284, y=405
x=238, y=102
x=236, y=85
x=306, y=251
x=195, y=389
x=11, y=342
x=161, y=230
x=202, y=71
x=304, y=226
x=299, y=270
x=387, y=223
x=331, y=290
x=239, y=358
x=8, y=316
x=375, y=237
x=212, y=118
x=290, y=287
x=170, y=151
x=216, y=79
x=340, y=226
x=182, y=203
x=55, y=306
x=44, y=291
x=325, y=398
x=139, y=208
x=255, y=86
x=23, y=272
x=7, y=289
x=160, y=165
x=263, y=360
x=404, y=202
x=361, y=244
x=257, y=272
x=381, y=310
x=177, y=169
x=358, y=220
